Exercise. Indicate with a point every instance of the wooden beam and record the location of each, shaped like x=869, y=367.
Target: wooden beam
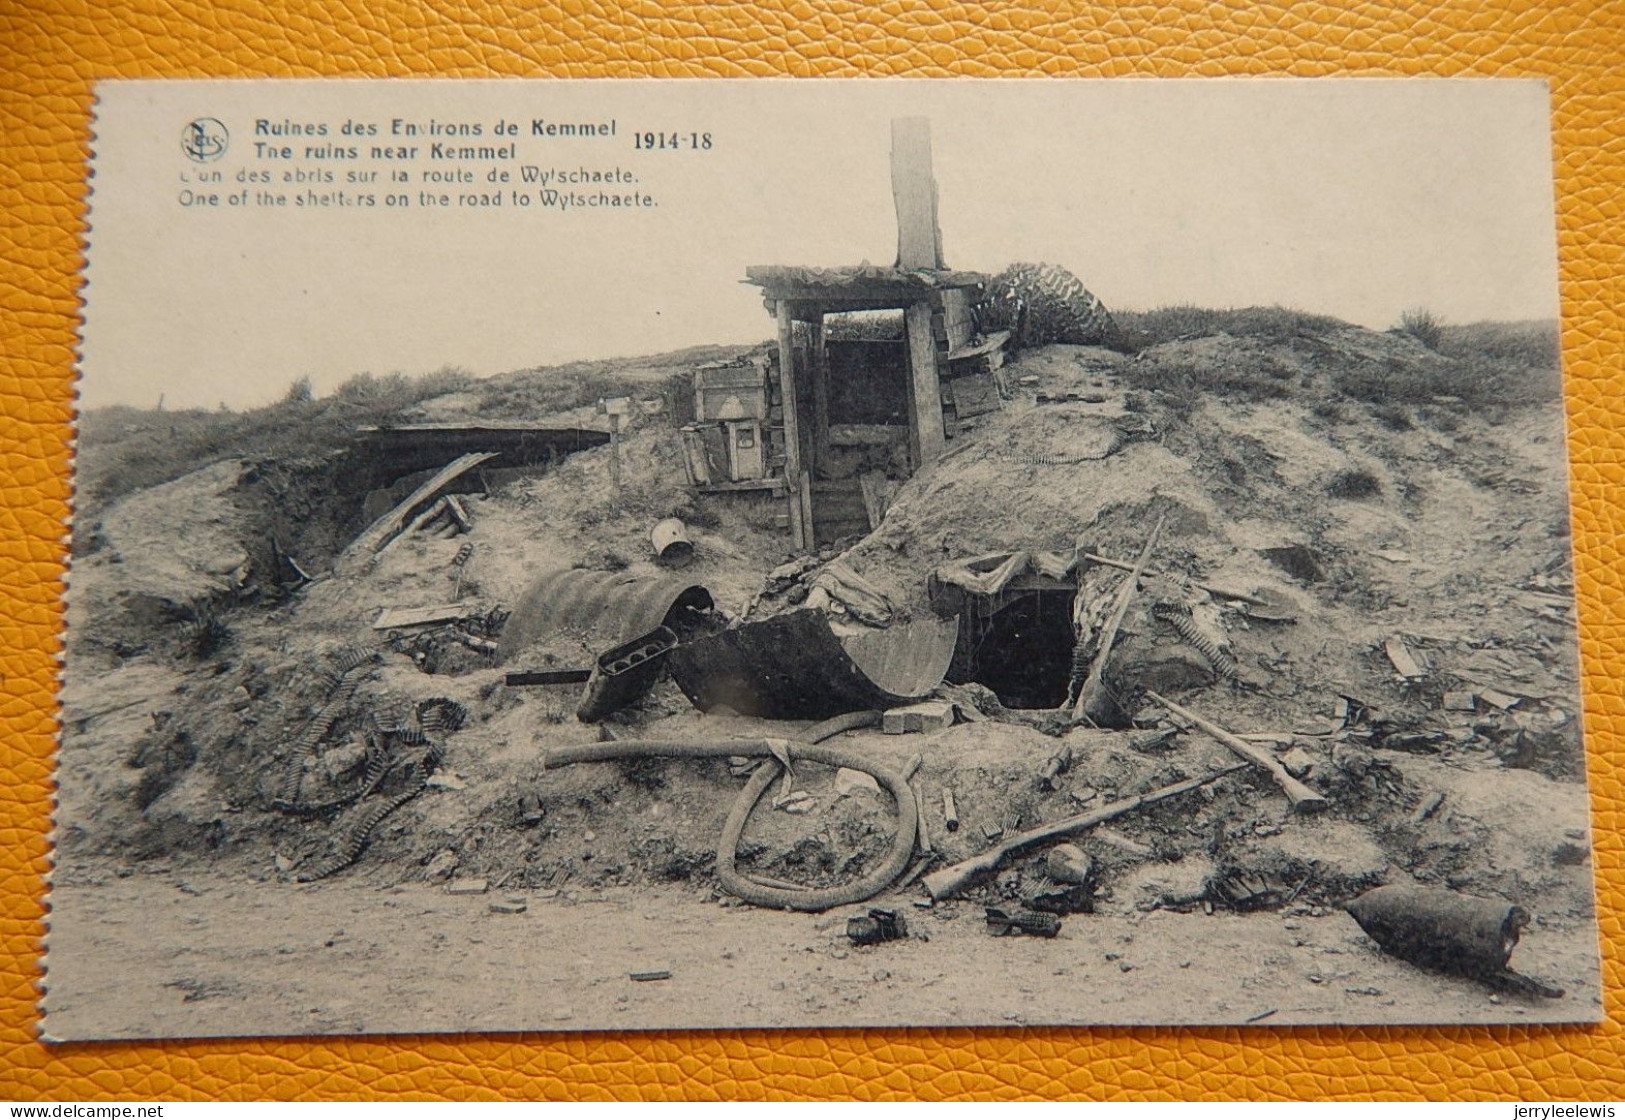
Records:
x=818, y=363
x=914, y=189
x=926, y=437
x=792, y=428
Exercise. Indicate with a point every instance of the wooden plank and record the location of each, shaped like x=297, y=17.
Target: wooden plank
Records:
x=391, y=618
x=876, y=497
x=974, y=396
x=818, y=364
x=914, y=190
x=773, y=485
x=549, y=676
x=792, y=429
x=380, y=532
x=430, y=513
x=957, y=322
x=992, y=342
x=926, y=437
x=1399, y=655
x=804, y=493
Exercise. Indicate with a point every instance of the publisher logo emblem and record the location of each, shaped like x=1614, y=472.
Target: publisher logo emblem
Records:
x=204, y=140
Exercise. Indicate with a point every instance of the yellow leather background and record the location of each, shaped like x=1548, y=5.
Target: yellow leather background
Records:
x=52, y=50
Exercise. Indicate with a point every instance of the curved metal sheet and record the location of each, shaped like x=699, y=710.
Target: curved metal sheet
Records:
x=603, y=609
x=793, y=666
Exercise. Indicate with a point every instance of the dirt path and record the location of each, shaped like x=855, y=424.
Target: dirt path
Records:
x=206, y=954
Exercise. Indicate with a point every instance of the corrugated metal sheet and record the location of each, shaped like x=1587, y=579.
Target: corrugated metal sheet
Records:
x=604, y=609
x=793, y=666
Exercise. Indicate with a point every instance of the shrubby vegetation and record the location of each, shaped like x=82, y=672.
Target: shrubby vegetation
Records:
x=123, y=450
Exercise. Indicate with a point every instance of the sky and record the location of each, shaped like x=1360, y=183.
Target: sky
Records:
x=1354, y=198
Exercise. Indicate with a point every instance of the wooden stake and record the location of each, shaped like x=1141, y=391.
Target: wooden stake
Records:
x=951, y=880
x=926, y=437
x=1302, y=797
x=800, y=532
x=1091, y=695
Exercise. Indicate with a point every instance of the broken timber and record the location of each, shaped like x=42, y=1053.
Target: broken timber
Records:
x=387, y=527
x=1399, y=655
x=391, y=618
x=1092, y=699
x=951, y=880
x=1303, y=798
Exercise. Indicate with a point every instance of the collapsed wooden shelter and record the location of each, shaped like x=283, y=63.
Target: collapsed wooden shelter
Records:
x=936, y=302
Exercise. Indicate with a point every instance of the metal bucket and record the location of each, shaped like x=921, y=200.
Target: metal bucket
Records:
x=671, y=544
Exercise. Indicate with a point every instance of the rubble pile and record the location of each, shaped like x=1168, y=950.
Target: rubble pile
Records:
x=1197, y=630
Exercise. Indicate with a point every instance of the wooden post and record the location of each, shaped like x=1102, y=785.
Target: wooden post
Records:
x=799, y=532
x=818, y=364
x=914, y=190
x=925, y=439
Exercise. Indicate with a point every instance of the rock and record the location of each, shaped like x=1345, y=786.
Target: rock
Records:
x=927, y=716
x=851, y=781
x=468, y=886
x=1172, y=884
x=1068, y=863
x=442, y=865
x=507, y=907
x=343, y=760
x=1298, y=762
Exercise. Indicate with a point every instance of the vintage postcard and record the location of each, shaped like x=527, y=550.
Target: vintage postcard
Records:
x=614, y=555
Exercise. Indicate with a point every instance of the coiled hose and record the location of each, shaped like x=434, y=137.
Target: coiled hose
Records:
x=807, y=748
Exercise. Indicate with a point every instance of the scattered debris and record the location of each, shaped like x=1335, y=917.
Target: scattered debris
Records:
x=386, y=528
x=1428, y=807
x=396, y=618
x=647, y=975
x=1054, y=766
x=840, y=590
x=951, y=880
x=813, y=749
x=506, y=907
x=1002, y=923
x=1302, y=797
x=468, y=886
x=1065, y=883
x=1093, y=703
x=1459, y=702
x=879, y=924
x=1122, y=843
x=1399, y=656
x=950, y=811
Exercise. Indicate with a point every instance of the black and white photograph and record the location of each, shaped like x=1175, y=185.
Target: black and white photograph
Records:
x=618, y=555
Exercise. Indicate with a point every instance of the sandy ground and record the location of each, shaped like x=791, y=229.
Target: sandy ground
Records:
x=208, y=954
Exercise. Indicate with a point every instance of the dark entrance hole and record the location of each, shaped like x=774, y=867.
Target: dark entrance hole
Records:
x=1022, y=651
x=1297, y=562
